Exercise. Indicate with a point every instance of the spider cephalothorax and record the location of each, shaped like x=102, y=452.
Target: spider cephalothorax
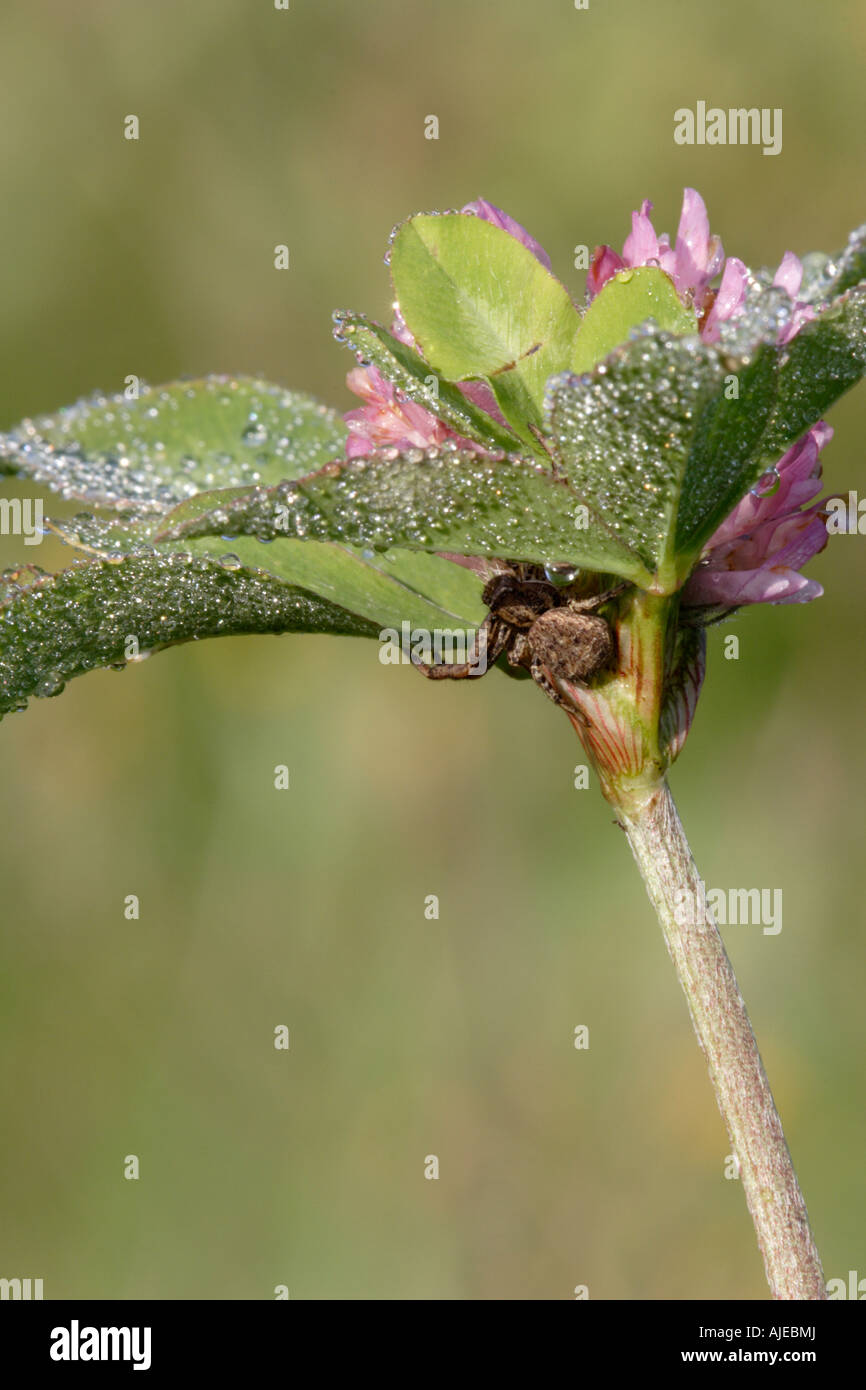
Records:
x=539, y=625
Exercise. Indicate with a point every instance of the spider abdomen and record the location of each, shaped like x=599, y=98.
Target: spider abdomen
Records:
x=572, y=646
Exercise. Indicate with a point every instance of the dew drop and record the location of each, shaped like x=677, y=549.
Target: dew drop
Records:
x=255, y=434
x=52, y=684
x=768, y=484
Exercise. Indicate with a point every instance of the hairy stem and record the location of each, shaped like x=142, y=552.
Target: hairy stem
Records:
x=632, y=725
x=649, y=818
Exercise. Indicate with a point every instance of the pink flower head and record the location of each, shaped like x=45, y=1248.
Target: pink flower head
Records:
x=757, y=552
x=692, y=263
x=695, y=259
x=385, y=421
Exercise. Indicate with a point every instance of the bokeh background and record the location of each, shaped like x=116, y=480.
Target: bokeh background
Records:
x=409, y=1037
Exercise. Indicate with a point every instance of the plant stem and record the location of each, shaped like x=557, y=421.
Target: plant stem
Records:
x=632, y=725
x=649, y=818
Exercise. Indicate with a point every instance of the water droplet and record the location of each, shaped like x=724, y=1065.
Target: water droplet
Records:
x=52, y=684
x=255, y=434
x=561, y=574
x=768, y=484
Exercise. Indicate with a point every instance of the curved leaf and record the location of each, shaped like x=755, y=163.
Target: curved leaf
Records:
x=825, y=277
x=827, y=357
x=727, y=453
x=388, y=589
x=649, y=441
x=174, y=441
x=54, y=627
x=441, y=500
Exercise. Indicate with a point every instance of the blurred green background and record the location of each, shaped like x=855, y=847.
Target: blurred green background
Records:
x=409, y=1037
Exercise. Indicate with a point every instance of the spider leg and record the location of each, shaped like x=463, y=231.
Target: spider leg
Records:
x=536, y=670
x=490, y=641
x=496, y=639
x=586, y=605
x=520, y=650
x=447, y=670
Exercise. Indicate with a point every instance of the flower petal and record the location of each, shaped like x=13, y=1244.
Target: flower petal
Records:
x=605, y=263
x=731, y=588
x=730, y=297
x=642, y=245
x=790, y=274
x=699, y=256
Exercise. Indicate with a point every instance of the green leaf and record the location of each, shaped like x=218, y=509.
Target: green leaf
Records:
x=727, y=456
x=649, y=438
x=480, y=305
x=174, y=441
x=826, y=358
x=386, y=589
x=448, y=591
x=626, y=301
x=825, y=277
x=54, y=627
x=445, y=500
x=416, y=380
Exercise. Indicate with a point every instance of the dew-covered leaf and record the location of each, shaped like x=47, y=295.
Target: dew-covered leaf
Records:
x=416, y=380
x=726, y=457
x=173, y=441
x=765, y=314
x=54, y=627
x=480, y=305
x=825, y=277
x=649, y=438
x=385, y=588
x=627, y=300
x=819, y=365
x=445, y=500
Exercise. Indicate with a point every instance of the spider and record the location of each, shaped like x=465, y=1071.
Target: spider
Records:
x=538, y=626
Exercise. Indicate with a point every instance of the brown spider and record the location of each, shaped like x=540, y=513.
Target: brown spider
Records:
x=537, y=625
